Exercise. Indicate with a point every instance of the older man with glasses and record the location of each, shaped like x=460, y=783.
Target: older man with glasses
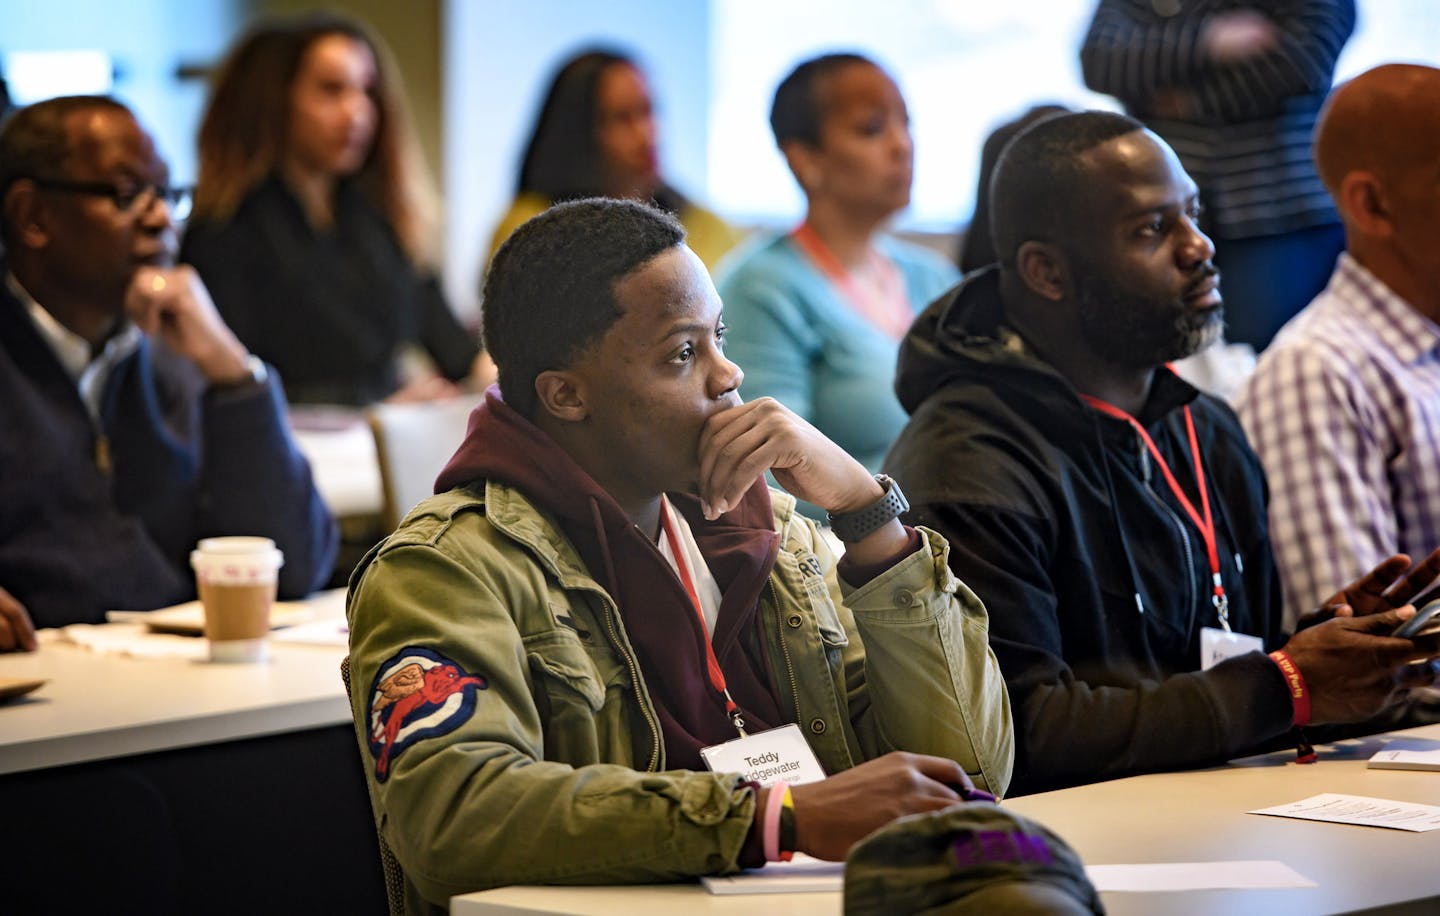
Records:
x=132, y=421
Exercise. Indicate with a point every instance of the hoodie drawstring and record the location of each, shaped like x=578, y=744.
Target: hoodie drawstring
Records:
x=1115, y=518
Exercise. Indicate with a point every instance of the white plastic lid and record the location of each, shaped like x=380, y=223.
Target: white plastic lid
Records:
x=237, y=560
x=242, y=544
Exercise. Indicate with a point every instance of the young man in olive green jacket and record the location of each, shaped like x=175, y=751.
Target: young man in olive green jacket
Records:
x=604, y=588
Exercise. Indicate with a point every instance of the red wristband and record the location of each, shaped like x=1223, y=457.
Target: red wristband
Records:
x=1295, y=681
x=773, y=803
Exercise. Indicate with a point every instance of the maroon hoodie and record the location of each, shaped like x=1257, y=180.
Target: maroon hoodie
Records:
x=740, y=548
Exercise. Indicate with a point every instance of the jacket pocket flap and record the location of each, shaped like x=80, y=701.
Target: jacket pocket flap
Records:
x=563, y=659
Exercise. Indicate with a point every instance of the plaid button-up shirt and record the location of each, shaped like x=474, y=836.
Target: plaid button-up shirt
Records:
x=1344, y=411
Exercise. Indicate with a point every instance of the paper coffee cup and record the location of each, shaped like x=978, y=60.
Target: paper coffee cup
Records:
x=236, y=578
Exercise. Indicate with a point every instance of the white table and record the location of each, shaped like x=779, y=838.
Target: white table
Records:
x=97, y=707
x=1194, y=816
x=254, y=767
x=1200, y=816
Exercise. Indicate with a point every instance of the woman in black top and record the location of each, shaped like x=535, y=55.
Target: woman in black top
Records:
x=310, y=218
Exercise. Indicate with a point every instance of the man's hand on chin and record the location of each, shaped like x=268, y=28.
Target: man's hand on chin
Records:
x=741, y=443
x=174, y=305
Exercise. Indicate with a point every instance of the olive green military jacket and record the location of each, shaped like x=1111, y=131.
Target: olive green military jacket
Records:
x=507, y=730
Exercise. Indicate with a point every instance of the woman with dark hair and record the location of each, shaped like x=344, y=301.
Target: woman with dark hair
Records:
x=595, y=136
x=312, y=214
x=816, y=315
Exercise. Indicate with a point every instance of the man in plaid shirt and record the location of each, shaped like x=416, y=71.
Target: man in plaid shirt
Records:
x=1344, y=408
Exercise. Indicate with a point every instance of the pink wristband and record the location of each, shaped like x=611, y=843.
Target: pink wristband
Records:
x=771, y=833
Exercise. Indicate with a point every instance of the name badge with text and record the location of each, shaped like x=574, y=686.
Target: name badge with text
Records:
x=780, y=753
x=1217, y=645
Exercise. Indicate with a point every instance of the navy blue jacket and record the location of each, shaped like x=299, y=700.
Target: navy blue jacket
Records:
x=187, y=462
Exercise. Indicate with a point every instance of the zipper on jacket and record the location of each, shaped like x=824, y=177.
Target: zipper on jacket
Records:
x=103, y=461
x=1175, y=520
x=784, y=649
x=656, y=738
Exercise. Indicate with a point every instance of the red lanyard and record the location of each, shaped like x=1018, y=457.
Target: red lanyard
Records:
x=889, y=310
x=1203, y=520
x=717, y=677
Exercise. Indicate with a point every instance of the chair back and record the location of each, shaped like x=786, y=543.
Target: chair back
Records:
x=413, y=443
x=389, y=865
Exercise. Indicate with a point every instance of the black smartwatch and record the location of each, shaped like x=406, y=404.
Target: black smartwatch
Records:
x=855, y=526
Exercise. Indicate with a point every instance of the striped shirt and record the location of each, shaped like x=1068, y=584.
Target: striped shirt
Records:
x=1344, y=411
x=1246, y=139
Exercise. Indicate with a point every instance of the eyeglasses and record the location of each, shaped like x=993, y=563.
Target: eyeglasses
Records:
x=128, y=198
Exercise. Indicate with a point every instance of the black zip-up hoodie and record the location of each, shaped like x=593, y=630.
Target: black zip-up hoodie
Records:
x=1097, y=582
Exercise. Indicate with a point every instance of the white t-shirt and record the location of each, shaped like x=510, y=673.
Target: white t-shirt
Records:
x=706, y=587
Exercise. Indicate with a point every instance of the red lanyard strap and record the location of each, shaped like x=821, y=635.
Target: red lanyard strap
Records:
x=1202, y=519
x=889, y=311
x=712, y=664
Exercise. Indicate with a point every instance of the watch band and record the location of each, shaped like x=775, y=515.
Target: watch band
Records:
x=854, y=526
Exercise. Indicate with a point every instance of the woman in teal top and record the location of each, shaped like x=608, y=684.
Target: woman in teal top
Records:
x=815, y=316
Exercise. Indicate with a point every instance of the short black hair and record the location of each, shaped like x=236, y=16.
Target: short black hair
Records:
x=550, y=289
x=798, y=109
x=1039, y=177
x=34, y=141
x=977, y=248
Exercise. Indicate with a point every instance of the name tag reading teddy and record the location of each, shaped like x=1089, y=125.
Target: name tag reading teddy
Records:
x=780, y=753
x=1218, y=645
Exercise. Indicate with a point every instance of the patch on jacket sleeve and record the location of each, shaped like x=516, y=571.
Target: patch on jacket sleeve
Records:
x=417, y=694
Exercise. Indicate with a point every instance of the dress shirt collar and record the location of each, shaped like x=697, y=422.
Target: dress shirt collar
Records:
x=1408, y=334
x=73, y=351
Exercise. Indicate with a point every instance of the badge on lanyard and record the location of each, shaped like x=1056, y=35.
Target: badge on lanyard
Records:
x=780, y=753
x=1218, y=645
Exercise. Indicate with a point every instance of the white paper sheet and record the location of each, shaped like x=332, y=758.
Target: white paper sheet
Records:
x=1194, y=876
x=188, y=619
x=807, y=875
x=130, y=639
x=1359, y=809
x=801, y=875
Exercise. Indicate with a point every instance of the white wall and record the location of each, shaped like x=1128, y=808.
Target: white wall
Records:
x=498, y=58
x=147, y=40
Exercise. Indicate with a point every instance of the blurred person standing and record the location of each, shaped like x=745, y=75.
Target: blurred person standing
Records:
x=1234, y=87
x=596, y=136
x=816, y=315
x=311, y=218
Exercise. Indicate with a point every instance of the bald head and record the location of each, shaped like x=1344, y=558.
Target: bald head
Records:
x=1386, y=121
x=1378, y=150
